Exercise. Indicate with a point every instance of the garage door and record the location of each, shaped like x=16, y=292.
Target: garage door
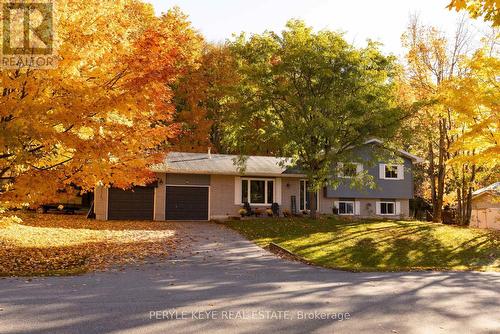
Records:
x=131, y=204
x=186, y=203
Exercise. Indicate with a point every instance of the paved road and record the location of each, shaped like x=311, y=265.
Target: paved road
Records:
x=244, y=289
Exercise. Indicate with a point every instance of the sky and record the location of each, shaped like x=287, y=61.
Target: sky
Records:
x=382, y=21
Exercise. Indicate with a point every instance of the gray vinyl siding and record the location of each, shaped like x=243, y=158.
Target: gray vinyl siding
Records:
x=384, y=188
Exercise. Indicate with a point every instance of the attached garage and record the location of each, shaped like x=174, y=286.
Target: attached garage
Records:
x=187, y=203
x=132, y=204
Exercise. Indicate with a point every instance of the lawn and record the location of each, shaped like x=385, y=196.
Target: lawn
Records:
x=46, y=244
x=378, y=245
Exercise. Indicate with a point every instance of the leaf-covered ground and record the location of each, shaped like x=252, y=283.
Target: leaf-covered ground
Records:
x=378, y=245
x=48, y=244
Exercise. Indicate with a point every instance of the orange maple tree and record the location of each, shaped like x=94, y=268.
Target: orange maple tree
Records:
x=105, y=112
x=202, y=96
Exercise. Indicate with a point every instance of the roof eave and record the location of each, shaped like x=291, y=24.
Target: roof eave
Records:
x=198, y=172
x=412, y=157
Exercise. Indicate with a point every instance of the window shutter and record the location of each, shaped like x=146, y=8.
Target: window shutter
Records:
x=401, y=172
x=359, y=168
x=277, y=190
x=357, y=208
x=336, y=204
x=381, y=169
x=237, y=190
x=398, y=208
x=377, y=207
x=340, y=167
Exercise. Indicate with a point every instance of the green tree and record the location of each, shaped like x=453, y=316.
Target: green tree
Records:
x=310, y=96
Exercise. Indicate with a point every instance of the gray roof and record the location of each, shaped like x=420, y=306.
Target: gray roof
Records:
x=492, y=188
x=204, y=163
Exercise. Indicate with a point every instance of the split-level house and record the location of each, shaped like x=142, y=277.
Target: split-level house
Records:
x=205, y=186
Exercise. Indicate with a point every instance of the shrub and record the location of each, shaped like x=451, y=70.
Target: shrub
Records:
x=287, y=213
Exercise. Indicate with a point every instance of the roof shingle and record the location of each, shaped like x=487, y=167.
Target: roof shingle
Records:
x=204, y=163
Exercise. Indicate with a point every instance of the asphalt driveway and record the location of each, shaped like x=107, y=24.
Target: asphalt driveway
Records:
x=218, y=282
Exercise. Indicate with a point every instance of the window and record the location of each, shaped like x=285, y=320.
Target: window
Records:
x=387, y=208
x=346, y=208
x=257, y=191
x=305, y=201
x=391, y=171
x=350, y=169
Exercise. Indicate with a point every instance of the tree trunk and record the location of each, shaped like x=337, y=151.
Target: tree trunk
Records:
x=432, y=179
x=468, y=211
x=459, y=206
x=437, y=175
x=468, y=203
x=441, y=170
x=313, y=213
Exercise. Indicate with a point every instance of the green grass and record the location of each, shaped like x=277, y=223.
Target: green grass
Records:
x=378, y=245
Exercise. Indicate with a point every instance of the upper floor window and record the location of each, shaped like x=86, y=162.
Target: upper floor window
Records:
x=391, y=172
x=257, y=191
x=349, y=169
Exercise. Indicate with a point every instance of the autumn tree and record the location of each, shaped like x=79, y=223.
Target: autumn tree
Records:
x=488, y=9
x=456, y=118
x=475, y=152
x=105, y=112
x=310, y=96
x=201, y=99
x=432, y=59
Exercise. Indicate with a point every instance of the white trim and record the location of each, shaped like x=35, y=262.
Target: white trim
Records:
x=401, y=172
x=359, y=168
x=379, y=211
x=353, y=208
x=189, y=185
x=237, y=191
x=278, y=191
x=397, y=210
x=381, y=171
x=357, y=208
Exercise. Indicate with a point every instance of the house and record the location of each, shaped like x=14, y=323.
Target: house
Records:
x=204, y=186
x=486, y=207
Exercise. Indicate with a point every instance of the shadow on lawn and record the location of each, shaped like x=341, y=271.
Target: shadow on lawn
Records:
x=401, y=246
x=220, y=271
